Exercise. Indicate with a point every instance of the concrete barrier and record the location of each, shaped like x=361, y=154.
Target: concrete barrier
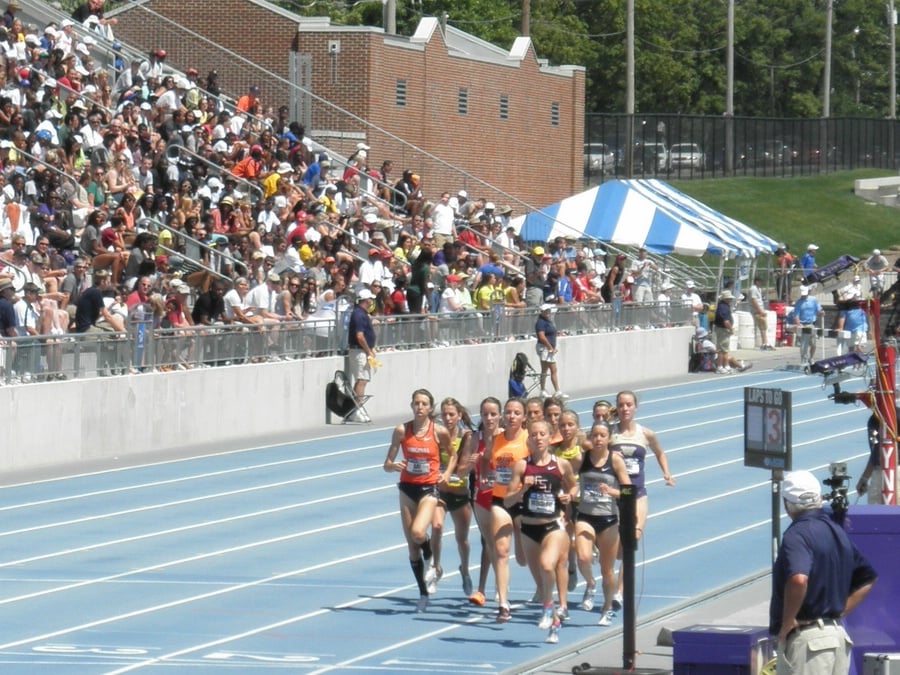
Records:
x=55, y=423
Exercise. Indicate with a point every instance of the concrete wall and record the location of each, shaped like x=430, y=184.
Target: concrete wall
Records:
x=57, y=423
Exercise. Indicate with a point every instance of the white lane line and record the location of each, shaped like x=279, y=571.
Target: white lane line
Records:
x=183, y=479
x=217, y=592
x=188, y=500
x=162, y=533
x=202, y=456
x=286, y=622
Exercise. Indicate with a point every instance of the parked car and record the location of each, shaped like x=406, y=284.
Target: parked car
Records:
x=777, y=152
x=650, y=157
x=599, y=158
x=686, y=156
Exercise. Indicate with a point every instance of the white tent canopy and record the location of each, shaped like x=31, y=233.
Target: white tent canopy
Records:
x=645, y=213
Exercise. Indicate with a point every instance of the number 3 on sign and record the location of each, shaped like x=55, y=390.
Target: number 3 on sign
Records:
x=773, y=427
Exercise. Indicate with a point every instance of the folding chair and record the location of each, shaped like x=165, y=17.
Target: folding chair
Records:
x=341, y=400
x=523, y=379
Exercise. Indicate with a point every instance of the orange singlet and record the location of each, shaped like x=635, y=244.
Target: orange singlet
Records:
x=422, y=455
x=504, y=457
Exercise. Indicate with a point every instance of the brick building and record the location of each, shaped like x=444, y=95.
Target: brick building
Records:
x=455, y=109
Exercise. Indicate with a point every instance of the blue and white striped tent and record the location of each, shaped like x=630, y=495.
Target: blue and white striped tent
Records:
x=648, y=213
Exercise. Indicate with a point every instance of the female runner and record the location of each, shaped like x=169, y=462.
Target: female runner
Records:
x=422, y=443
x=509, y=448
x=541, y=485
x=632, y=441
x=455, y=497
x=569, y=446
x=480, y=446
x=600, y=475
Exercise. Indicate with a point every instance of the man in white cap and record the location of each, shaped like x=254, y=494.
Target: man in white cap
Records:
x=818, y=577
x=361, y=350
x=876, y=266
x=692, y=299
x=807, y=311
x=808, y=262
x=724, y=328
x=546, y=332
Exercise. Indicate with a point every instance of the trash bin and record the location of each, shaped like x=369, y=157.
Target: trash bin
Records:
x=721, y=650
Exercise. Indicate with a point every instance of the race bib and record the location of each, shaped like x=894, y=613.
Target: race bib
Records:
x=632, y=466
x=591, y=494
x=542, y=503
x=418, y=467
x=503, y=475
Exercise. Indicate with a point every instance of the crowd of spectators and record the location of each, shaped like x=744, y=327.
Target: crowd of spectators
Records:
x=139, y=182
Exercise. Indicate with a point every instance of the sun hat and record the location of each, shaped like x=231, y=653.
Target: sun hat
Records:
x=801, y=487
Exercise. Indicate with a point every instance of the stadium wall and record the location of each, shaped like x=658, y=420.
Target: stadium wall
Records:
x=217, y=409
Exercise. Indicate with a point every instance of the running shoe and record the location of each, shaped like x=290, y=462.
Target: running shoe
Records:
x=745, y=366
x=466, y=582
x=563, y=613
x=553, y=636
x=617, y=602
x=503, y=614
x=422, y=604
x=546, y=618
x=477, y=598
x=573, y=579
x=606, y=618
x=431, y=579
x=587, y=600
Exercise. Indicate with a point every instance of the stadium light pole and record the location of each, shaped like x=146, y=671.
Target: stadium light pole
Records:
x=892, y=85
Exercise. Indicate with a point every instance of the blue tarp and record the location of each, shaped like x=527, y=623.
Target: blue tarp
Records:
x=648, y=213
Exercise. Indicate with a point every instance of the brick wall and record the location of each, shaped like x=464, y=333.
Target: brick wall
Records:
x=525, y=157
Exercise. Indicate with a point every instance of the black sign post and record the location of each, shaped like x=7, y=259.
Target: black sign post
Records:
x=767, y=442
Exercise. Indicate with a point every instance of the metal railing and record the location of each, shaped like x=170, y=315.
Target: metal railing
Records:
x=142, y=347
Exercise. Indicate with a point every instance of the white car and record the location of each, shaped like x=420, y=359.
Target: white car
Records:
x=686, y=156
x=598, y=158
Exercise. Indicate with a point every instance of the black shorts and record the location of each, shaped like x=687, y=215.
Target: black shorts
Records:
x=453, y=501
x=418, y=492
x=514, y=511
x=537, y=532
x=599, y=523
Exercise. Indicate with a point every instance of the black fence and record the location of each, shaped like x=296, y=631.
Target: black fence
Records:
x=684, y=146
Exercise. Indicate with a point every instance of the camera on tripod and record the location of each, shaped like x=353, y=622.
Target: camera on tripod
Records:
x=838, y=481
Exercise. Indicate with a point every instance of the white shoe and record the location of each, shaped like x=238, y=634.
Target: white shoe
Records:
x=587, y=600
x=617, y=602
x=431, y=579
x=721, y=371
x=606, y=619
x=562, y=396
x=553, y=636
x=545, y=393
x=546, y=618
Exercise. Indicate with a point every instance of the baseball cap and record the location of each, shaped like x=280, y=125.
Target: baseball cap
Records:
x=876, y=252
x=801, y=487
x=812, y=247
x=365, y=294
x=273, y=277
x=538, y=250
x=804, y=290
x=689, y=283
x=547, y=306
x=451, y=278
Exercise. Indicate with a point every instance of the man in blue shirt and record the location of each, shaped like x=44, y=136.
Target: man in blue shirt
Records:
x=818, y=577
x=807, y=310
x=361, y=350
x=808, y=262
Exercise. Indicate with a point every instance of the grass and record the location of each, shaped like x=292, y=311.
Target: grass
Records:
x=818, y=210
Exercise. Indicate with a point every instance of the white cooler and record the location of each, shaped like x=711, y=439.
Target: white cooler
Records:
x=881, y=664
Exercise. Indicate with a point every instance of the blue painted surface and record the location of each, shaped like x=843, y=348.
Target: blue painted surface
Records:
x=292, y=557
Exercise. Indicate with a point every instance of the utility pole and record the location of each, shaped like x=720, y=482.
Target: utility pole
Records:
x=826, y=84
x=729, y=94
x=629, y=90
